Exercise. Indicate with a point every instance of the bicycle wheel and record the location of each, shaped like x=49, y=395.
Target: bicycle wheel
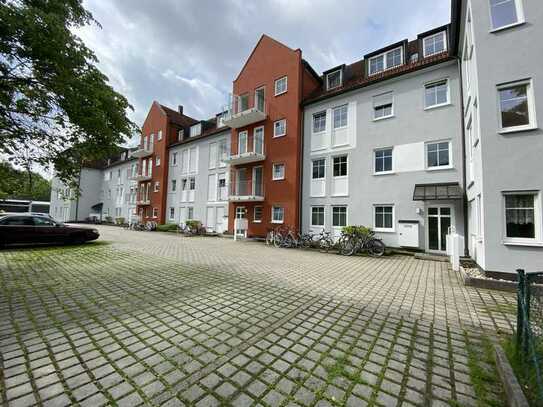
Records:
x=347, y=245
x=269, y=238
x=376, y=247
x=278, y=240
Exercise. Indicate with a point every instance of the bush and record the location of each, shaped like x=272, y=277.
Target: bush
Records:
x=193, y=224
x=357, y=230
x=119, y=220
x=109, y=219
x=168, y=227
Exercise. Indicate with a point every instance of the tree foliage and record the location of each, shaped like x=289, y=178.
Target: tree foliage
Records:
x=56, y=107
x=23, y=184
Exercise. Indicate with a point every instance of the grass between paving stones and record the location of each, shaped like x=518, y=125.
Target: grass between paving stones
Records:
x=483, y=371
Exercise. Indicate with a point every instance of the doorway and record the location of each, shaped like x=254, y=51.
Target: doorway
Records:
x=439, y=220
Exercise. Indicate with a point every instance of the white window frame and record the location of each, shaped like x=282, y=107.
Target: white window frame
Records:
x=279, y=80
x=332, y=163
x=173, y=185
x=438, y=167
x=520, y=17
x=156, y=186
x=328, y=87
x=385, y=230
x=346, y=215
x=180, y=134
x=431, y=36
x=174, y=159
x=196, y=130
x=246, y=134
x=157, y=161
x=522, y=241
x=436, y=83
x=159, y=135
x=255, y=220
x=323, y=226
x=319, y=113
x=531, y=106
x=282, y=212
x=155, y=212
x=172, y=215
x=375, y=119
x=275, y=134
x=276, y=165
x=391, y=171
x=346, y=106
x=323, y=159
x=385, y=65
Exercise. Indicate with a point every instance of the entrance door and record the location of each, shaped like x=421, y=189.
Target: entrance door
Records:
x=222, y=219
x=440, y=218
x=240, y=214
x=210, y=219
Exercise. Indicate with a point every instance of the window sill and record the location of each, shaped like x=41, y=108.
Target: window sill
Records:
x=533, y=243
x=281, y=93
x=279, y=135
x=438, y=106
x=278, y=179
x=517, y=129
x=384, y=230
x=257, y=221
x=276, y=221
x=340, y=128
x=339, y=195
x=384, y=173
x=383, y=118
x=441, y=168
x=505, y=27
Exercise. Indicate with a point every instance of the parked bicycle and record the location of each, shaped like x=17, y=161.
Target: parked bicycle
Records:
x=358, y=239
x=325, y=242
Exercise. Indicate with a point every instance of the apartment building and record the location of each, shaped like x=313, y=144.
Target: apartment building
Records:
x=265, y=117
x=106, y=189
x=383, y=145
x=198, y=175
x=502, y=84
x=162, y=127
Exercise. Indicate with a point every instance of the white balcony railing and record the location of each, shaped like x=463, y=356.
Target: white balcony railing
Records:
x=144, y=150
x=246, y=191
x=249, y=149
x=245, y=110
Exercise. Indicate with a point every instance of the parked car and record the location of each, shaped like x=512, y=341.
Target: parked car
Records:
x=27, y=228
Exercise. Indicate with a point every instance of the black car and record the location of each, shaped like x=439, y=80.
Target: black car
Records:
x=37, y=229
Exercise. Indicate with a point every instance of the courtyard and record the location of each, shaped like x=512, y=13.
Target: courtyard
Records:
x=149, y=318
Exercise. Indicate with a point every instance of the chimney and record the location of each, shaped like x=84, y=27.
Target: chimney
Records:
x=180, y=108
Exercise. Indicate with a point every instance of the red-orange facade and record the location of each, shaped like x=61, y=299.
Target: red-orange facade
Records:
x=269, y=62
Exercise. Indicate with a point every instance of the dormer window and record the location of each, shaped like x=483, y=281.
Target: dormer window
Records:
x=196, y=130
x=434, y=44
x=220, y=120
x=180, y=135
x=386, y=60
x=334, y=79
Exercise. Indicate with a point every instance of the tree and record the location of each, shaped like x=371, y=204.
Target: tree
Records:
x=22, y=184
x=56, y=107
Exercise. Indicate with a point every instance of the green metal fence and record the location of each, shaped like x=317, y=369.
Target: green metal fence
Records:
x=529, y=335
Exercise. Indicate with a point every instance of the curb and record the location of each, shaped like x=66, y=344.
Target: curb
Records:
x=509, y=286
x=513, y=391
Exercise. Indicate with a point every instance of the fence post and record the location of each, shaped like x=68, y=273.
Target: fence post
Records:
x=520, y=316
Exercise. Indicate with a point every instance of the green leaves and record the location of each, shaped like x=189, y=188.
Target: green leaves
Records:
x=56, y=107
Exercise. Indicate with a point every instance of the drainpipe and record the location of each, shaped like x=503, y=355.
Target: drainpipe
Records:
x=301, y=153
x=464, y=182
x=77, y=195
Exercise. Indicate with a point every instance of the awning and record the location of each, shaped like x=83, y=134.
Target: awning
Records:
x=437, y=192
x=97, y=207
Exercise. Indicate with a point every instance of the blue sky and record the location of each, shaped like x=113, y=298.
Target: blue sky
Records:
x=188, y=52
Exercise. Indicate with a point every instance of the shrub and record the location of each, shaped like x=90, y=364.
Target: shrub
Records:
x=119, y=220
x=109, y=219
x=168, y=227
x=357, y=230
x=193, y=224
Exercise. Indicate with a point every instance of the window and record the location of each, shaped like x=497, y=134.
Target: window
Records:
x=436, y=94
x=172, y=213
x=340, y=116
x=387, y=60
x=41, y=221
x=180, y=134
x=319, y=169
x=196, y=130
x=174, y=185
x=192, y=183
x=384, y=218
x=242, y=142
x=319, y=122
x=280, y=128
x=220, y=120
x=278, y=172
x=278, y=214
x=383, y=106
x=522, y=215
x=339, y=216
x=159, y=135
x=383, y=160
x=334, y=79
x=190, y=213
x=18, y=221
x=340, y=166
x=317, y=216
x=505, y=13
x=516, y=106
x=157, y=186
x=155, y=212
x=174, y=158
x=280, y=86
x=257, y=214
x=438, y=154
x=434, y=44
x=157, y=161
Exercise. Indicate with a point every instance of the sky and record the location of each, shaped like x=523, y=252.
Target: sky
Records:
x=187, y=52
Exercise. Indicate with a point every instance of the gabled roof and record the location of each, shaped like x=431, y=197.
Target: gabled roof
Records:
x=176, y=117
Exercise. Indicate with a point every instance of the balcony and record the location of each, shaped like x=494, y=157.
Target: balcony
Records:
x=144, y=201
x=250, y=148
x=143, y=151
x=246, y=191
x=142, y=177
x=240, y=112
x=245, y=158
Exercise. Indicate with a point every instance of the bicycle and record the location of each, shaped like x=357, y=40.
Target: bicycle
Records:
x=325, y=241
x=352, y=243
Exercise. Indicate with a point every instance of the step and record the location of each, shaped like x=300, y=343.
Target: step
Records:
x=432, y=257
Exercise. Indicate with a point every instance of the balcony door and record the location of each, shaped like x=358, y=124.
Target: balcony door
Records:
x=258, y=140
x=439, y=219
x=241, y=182
x=242, y=142
x=258, y=186
x=259, y=99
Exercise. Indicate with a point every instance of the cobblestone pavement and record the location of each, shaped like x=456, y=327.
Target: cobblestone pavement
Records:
x=158, y=319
